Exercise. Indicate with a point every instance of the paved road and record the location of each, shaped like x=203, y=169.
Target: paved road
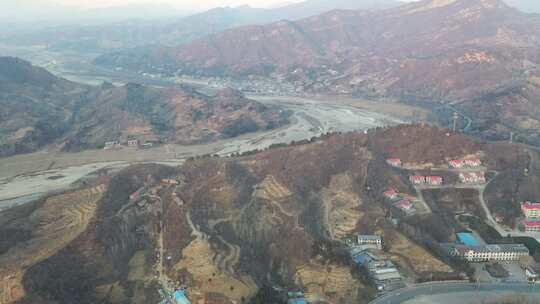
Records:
x=479, y=291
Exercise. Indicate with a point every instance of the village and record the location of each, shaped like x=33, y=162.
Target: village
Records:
x=367, y=252
x=486, y=259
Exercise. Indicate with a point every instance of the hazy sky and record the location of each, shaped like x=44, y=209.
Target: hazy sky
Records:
x=181, y=4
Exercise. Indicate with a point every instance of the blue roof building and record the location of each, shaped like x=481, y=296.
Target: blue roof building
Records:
x=180, y=297
x=468, y=239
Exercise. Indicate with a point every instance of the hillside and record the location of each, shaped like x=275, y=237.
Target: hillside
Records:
x=41, y=109
x=469, y=53
x=222, y=225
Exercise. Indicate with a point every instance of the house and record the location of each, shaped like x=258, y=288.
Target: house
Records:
x=369, y=240
x=381, y=271
x=532, y=272
x=405, y=205
x=465, y=163
x=147, y=145
x=391, y=194
x=456, y=164
x=473, y=162
x=485, y=253
x=394, y=162
x=472, y=177
x=530, y=209
x=434, y=180
x=417, y=179
x=111, y=145
x=531, y=225
x=133, y=143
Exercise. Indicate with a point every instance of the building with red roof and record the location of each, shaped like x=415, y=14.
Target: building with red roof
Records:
x=531, y=225
x=391, y=193
x=393, y=161
x=531, y=210
x=456, y=164
x=405, y=205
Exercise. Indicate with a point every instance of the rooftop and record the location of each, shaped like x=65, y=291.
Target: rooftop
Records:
x=468, y=239
x=530, y=205
x=494, y=248
x=532, y=223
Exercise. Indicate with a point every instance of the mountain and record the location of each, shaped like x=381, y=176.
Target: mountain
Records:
x=451, y=51
x=171, y=31
x=40, y=109
x=219, y=232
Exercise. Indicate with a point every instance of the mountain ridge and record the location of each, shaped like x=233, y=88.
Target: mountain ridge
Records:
x=40, y=110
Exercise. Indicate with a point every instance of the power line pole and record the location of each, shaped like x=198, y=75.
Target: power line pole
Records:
x=511, y=137
x=455, y=117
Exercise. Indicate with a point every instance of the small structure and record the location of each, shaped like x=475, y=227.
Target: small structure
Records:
x=382, y=272
x=405, y=206
x=394, y=162
x=169, y=181
x=147, y=145
x=133, y=143
x=180, y=297
x=434, y=180
x=532, y=272
x=531, y=224
x=467, y=238
x=530, y=210
x=465, y=163
x=370, y=241
x=472, y=177
x=473, y=162
x=417, y=179
x=391, y=194
x=111, y=145
x=456, y=164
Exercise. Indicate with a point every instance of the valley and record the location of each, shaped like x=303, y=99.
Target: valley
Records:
x=338, y=156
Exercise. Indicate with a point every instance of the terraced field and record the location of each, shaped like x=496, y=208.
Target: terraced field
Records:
x=58, y=222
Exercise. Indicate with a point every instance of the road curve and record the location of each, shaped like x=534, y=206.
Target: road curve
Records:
x=410, y=293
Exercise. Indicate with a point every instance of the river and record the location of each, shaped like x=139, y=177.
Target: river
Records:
x=24, y=178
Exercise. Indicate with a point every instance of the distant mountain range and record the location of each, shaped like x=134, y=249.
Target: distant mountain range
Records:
x=171, y=31
x=454, y=51
x=39, y=109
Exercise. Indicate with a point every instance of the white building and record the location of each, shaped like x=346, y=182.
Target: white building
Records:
x=499, y=252
x=133, y=143
x=373, y=240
